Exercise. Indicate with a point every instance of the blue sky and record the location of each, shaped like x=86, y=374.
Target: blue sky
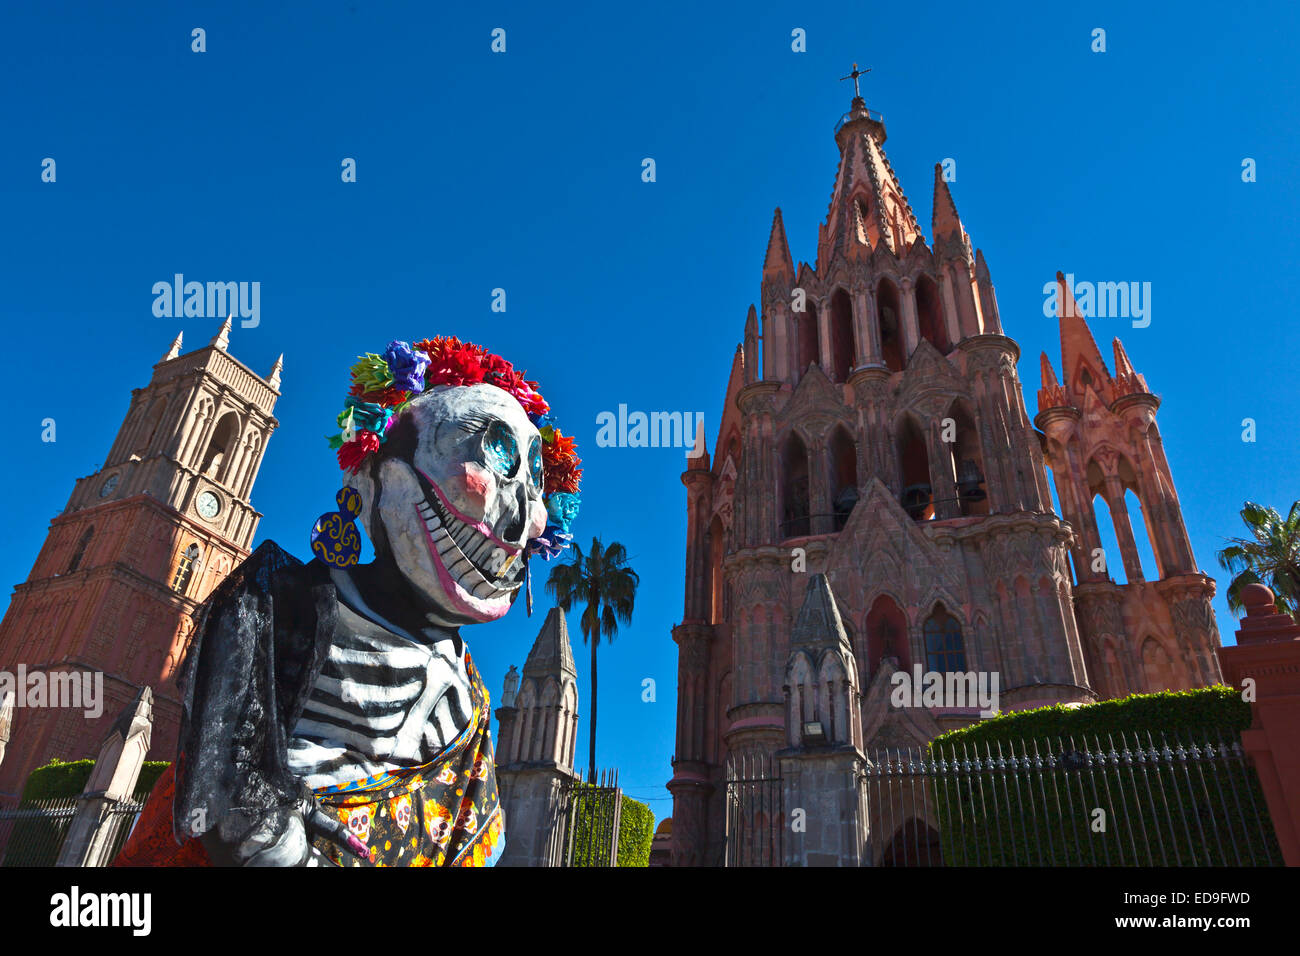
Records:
x=522, y=171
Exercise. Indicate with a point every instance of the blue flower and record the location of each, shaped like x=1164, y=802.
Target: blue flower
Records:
x=562, y=508
x=368, y=416
x=407, y=366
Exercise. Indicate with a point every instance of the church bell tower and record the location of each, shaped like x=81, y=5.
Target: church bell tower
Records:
x=139, y=546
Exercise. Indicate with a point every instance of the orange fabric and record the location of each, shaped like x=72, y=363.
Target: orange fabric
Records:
x=151, y=842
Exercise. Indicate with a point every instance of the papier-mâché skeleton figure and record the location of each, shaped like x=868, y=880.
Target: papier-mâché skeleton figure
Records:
x=332, y=712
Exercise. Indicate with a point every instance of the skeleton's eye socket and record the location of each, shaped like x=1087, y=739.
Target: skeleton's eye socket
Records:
x=500, y=449
x=535, y=461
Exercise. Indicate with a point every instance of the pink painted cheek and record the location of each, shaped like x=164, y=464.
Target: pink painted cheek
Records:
x=480, y=485
x=537, y=519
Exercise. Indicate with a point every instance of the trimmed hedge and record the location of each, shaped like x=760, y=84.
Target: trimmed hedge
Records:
x=61, y=778
x=1217, y=708
x=36, y=842
x=1207, y=812
x=636, y=831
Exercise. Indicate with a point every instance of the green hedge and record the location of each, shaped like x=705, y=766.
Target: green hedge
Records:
x=635, y=834
x=636, y=830
x=1211, y=709
x=60, y=778
x=36, y=842
x=1207, y=812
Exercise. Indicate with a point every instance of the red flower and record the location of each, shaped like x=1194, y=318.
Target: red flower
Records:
x=498, y=371
x=452, y=362
x=355, y=452
x=561, y=465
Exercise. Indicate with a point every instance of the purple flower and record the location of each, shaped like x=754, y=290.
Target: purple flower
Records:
x=407, y=366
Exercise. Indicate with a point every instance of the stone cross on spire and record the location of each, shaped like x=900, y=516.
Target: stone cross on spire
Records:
x=857, y=93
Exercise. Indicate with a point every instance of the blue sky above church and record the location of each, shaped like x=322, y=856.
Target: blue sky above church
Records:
x=522, y=171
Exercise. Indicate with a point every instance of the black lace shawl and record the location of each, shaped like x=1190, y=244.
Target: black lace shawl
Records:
x=259, y=644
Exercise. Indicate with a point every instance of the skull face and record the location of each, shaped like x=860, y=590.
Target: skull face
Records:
x=359, y=823
x=402, y=812
x=458, y=511
x=438, y=825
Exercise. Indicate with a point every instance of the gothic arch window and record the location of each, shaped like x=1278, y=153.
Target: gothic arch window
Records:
x=717, y=585
x=221, y=446
x=888, y=312
x=944, y=650
x=967, y=461
x=833, y=689
x=886, y=636
x=803, y=696
x=914, y=469
x=844, y=476
x=149, y=427
x=796, y=510
x=185, y=569
x=526, y=702
x=550, y=722
x=1143, y=537
x=248, y=464
x=569, y=713
x=80, y=553
x=842, y=350
x=929, y=314
x=809, y=337
x=1144, y=557
x=1108, y=538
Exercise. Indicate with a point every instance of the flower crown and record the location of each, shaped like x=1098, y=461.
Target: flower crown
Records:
x=383, y=385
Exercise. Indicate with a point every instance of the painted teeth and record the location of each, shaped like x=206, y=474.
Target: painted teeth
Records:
x=465, y=553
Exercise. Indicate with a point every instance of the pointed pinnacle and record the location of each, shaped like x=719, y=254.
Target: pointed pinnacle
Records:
x=1122, y=364
x=944, y=219
x=175, y=349
x=222, y=338
x=777, y=262
x=274, y=378
x=1049, y=374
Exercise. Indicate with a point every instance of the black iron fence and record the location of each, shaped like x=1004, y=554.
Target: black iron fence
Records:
x=591, y=812
x=32, y=832
x=1119, y=800
x=756, y=819
x=1132, y=799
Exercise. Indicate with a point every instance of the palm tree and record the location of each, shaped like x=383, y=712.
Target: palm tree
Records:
x=604, y=581
x=1271, y=556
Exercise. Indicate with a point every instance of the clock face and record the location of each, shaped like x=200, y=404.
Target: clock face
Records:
x=208, y=504
x=107, y=487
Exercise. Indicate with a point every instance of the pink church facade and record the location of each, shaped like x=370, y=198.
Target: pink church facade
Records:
x=874, y=431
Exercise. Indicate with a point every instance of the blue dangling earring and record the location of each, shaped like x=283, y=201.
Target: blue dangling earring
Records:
x=334, y=536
